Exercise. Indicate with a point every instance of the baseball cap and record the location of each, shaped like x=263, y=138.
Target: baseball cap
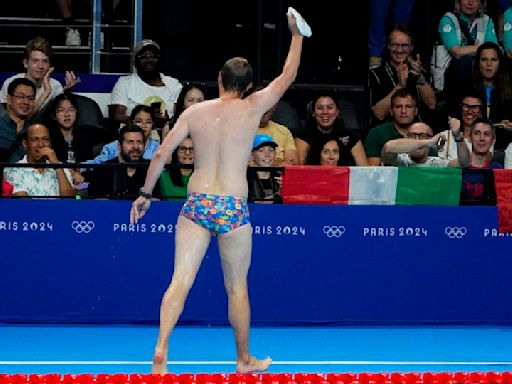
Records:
x=262, y=140
x=143, y=44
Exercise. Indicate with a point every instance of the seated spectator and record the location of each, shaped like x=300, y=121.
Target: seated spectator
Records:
x=413, y=150
x=190, y=94
x=142, y=116
x=20, y=104
x=483, y=136
x=330, y=153
x=327, y=121
x=493, y=83
x=39, y=181
x=264, y=186
x=403, y=113
x=122, y=182
x=37, y=61
x=462, y=32
x=72, y=143
x=399, y=71
x=174, y=181
x=470, y=109
x=286, y=151
x=145, y=86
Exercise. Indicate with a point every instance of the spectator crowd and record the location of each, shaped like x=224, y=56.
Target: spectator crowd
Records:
x=455, y=113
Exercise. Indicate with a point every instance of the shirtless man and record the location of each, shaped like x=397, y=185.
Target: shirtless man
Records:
x=222, y=130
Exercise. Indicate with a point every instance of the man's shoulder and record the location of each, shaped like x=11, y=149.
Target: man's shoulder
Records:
x=170, y=81
x=124, y=79
x=382, y=129
x=5, y=119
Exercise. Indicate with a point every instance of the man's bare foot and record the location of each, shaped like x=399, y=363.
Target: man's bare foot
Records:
x=253, y=365
x=159, y=363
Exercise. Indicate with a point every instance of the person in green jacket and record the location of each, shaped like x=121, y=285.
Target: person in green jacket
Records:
x=174, y=181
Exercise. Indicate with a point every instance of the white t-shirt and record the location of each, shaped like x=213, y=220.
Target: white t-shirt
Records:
x=56, y=89
x=404, y=160
x=131, y=91
x=508, y=157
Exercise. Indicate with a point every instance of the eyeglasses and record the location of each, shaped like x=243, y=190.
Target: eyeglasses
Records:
x=21, y=96
x=422, y=136
x=143, y=122
x=62, y=111
x=183, y=149
x=401, y=46
x=148, y=57
x=472, y=107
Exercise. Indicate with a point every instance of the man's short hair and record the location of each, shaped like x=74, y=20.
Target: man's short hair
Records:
x=39, y=44
x=484, y=120
x=20, y=81
x=402, y=28
x=473, y=94
x=403, y=92
x=128, y=129
x=236, y=74
x=24, y=134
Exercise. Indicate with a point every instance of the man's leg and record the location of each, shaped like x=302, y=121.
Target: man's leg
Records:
x=235, y=251
x=191, y=243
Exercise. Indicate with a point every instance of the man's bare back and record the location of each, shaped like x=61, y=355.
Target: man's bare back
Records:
x=222, y=131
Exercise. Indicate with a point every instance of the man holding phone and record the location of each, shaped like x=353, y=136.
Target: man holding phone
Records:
x=145, y=86
x=413, y=150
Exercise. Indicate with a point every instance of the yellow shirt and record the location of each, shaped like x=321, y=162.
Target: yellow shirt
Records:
x=281, y=135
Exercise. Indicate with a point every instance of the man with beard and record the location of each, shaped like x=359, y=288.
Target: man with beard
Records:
x=20, y=105
x=403, y=112
x=413, y=150
x=39, y=181
x=145, y=86
x=121, y=182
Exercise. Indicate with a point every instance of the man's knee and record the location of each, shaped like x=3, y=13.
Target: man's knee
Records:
x=236, y=290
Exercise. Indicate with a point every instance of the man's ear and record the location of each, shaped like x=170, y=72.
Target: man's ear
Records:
x=25, y=63
x=24, y=142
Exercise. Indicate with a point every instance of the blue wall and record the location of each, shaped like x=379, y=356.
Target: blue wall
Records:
x=73, y=261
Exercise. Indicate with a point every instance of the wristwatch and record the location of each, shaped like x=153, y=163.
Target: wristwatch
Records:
x=145, y=195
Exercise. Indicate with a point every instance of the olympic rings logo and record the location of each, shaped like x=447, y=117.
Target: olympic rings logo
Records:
x=455, y=232
x=82, y=226
x=333, y=230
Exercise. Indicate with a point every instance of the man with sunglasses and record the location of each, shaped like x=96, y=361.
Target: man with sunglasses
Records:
x=413, y=150
x=145, y=86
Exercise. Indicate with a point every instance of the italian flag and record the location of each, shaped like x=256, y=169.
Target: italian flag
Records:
x=371, y=185
x=503, y=186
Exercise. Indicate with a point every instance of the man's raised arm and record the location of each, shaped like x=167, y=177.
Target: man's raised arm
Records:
x=271, y=94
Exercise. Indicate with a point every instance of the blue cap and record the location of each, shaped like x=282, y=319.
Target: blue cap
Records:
x=262, y=140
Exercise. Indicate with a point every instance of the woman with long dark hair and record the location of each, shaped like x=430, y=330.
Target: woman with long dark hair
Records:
x=326, y=122
x=493, y=83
